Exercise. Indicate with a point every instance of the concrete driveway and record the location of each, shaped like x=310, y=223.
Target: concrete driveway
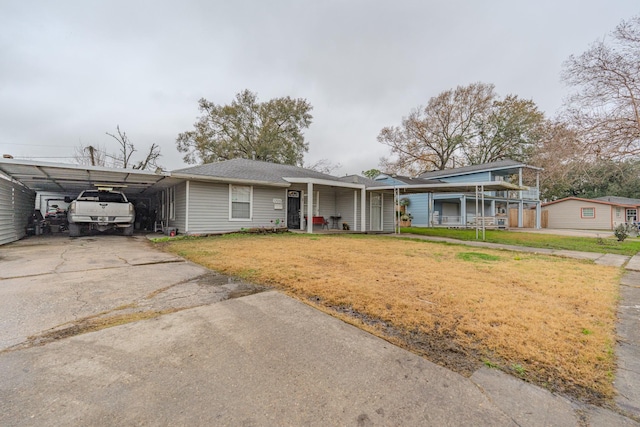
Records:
x=107, y=330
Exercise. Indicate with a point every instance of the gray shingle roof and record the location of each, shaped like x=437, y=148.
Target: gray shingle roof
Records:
x=244, y=169
x=501, y=164
x=357, y=179
x=619, y=200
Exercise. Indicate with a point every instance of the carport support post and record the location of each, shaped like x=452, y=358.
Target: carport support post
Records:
x=310, y=207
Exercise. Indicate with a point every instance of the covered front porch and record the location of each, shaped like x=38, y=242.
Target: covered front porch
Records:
x=324, y=206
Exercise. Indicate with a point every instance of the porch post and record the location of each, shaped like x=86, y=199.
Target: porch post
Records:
x=310, y=207
x=355, y=210
x=363, y=213
x=520, y=213
x=430, y=209
x=538, y=215
x=463, y=210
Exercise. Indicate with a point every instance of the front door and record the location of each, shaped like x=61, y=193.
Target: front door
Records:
x=293, y=210
x=376, y=212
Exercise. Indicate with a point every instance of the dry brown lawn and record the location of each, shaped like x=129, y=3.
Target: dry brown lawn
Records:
x=546, y=319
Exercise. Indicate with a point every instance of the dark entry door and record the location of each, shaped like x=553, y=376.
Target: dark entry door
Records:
x=293, y=210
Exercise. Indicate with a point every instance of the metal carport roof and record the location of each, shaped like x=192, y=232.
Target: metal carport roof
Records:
x=72, y=179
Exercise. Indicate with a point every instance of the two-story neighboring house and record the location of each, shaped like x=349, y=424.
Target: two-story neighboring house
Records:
x=504, y=208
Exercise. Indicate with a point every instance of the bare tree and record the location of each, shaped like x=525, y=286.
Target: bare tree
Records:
x=90, y=155
x=151, y=160
x=324, y=166
x=126, y=147
x=430, y=137
x=605, y=109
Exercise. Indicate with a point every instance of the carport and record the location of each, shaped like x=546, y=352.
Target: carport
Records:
x=22, y=180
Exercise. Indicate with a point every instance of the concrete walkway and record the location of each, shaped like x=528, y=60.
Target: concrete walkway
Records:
x=602, y=259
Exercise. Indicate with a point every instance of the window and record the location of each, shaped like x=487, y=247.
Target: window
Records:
x=316, y=203
x=631, y=215
x=587, y=212
x=240, y=204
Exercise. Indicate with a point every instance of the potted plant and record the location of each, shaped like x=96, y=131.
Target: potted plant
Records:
x=405, y=220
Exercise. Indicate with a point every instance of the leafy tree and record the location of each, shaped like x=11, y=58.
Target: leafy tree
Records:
x=371, y=173
x=465, y=126
x=271, y=131
x=512, y=128
x=605, y=107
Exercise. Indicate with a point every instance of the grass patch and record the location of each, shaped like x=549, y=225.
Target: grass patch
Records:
x=607, y=243
x=527, y=316
x=477, y=256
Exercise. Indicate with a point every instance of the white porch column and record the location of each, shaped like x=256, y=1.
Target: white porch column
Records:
x=538, y=215
x=355, y=210
x=363, y=212
x=310, y=207
x=186, y=213
x=463, y=210
x=520, y=213
x=429, y=209
x=493, y=208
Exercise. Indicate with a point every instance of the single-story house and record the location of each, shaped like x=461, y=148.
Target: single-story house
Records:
x=241, y=193
x=602, y=213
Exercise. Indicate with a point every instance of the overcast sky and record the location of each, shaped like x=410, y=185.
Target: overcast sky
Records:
x=72, y=70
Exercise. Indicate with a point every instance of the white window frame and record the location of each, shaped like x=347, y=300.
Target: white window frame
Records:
x=171, y=193
x=316, y=204
x=231, y=218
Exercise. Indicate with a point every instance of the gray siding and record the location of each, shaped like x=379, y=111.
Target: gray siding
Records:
x=344, y=206
x=327, y=201
x=209, y=208
x=16, y=205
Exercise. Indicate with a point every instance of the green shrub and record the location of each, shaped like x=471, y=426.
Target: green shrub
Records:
x=621, y=232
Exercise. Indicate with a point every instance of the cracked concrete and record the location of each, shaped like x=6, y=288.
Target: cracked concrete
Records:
x=84, y=277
